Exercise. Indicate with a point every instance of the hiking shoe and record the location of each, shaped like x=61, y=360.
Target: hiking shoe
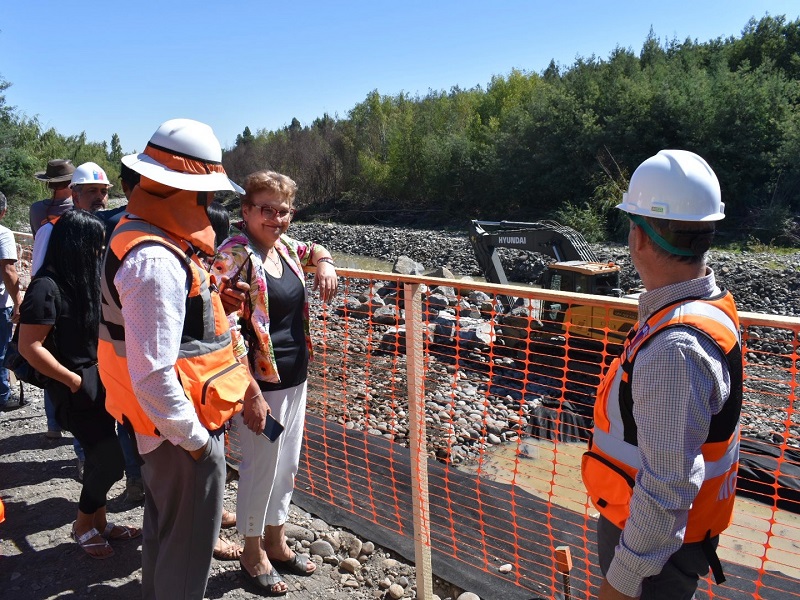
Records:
x=80, y=468
x=134, y=490
x=53, y=434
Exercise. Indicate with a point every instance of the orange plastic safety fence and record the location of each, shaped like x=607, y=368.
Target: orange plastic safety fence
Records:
x=508, y=408
x=507, y=402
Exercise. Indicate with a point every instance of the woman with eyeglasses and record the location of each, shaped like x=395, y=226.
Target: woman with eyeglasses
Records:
x=271, y=336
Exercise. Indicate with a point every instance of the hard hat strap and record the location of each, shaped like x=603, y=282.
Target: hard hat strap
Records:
x=662, y=243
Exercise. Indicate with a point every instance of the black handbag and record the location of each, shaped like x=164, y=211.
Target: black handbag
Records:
x=23, y=371
x=14, y=361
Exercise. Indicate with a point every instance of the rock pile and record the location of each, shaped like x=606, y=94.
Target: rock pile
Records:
x=765, y=282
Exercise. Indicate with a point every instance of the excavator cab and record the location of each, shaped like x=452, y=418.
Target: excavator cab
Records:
x=585, y=278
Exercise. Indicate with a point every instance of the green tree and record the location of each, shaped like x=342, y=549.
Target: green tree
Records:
x=115, y=155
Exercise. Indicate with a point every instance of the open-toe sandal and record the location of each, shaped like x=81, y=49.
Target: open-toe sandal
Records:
x=83, y=542
x=229, y=551
x=264, y=583
x=297, y=565
x=120, y=532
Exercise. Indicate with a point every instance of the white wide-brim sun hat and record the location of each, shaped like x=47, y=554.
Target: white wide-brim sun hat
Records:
x=152, y=169
x=183, y=141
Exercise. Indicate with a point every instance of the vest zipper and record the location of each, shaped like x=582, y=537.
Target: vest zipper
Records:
x=212, y=378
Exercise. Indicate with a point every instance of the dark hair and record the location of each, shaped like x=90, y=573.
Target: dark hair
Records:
x=695, y=237
x=128, y=176
x=220, y=221
x=74, y=253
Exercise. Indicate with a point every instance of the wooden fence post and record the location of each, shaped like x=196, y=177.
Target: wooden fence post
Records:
x=419, y=455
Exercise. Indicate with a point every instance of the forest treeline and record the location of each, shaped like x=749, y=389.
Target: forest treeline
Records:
x=559, y=144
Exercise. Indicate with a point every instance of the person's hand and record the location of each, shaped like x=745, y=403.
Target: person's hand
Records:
x=608, y=592
x=325, y=280
x=255, y=412
x=198, y=454
x=74, y=382
x=233, y=296
x=15, y=315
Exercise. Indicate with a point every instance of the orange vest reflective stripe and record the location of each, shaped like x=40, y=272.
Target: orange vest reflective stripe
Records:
x=211, y=376
x=610, y=466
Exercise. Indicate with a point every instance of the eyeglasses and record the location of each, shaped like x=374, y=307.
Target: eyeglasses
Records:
x=273, y=214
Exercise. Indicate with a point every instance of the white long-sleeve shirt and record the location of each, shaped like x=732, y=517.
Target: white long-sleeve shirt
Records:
x=40, y=243
x=152, y=284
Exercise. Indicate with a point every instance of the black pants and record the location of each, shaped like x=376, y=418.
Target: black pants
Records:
x=678, y=579
x=95, y=429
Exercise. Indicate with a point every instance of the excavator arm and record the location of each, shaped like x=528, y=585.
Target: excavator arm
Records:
x=563, y=243
x=546, y=237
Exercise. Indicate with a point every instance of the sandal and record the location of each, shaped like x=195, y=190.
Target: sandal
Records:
x=83, y=542
x=122, y=532
x=228, y=551
x=228, y=519
x=265, y=582
x=297, y=565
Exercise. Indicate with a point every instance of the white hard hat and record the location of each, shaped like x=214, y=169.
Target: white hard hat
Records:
x=677, y=185
x=183, y=154
x=89, y=173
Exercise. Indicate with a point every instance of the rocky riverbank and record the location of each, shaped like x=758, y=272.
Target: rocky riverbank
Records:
x=765, y=282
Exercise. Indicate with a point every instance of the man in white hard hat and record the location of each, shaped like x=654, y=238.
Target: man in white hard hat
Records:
x=662, y=463
x=89, y=187
x=165, y=349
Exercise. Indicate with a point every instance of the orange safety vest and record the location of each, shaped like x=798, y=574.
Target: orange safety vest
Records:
x=211, y=377
x=610, y=465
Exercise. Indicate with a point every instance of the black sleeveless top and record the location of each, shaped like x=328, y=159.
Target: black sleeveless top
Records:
x=286, y=301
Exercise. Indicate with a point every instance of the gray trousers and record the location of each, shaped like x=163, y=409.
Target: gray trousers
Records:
x=182, y=514
x=677, y=580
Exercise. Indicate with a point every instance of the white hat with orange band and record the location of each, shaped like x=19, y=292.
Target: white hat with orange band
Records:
x=183, y=154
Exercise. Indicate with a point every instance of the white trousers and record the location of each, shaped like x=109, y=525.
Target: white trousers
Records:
x=268, y=469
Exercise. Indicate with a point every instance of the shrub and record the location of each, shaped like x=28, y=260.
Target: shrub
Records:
x=587, y=220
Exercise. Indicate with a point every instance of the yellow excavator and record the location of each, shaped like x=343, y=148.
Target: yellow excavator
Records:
x=576, y=269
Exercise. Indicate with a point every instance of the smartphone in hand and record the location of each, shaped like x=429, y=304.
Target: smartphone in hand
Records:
x=272, y=429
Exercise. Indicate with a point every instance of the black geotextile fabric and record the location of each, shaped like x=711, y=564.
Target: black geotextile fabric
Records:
x=363, y=483
x=759, y=462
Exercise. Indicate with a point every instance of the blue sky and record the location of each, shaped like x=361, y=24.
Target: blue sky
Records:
x=125, y=67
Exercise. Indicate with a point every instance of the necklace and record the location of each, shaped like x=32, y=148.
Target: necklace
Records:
x=276, y=262
x=267, y=254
